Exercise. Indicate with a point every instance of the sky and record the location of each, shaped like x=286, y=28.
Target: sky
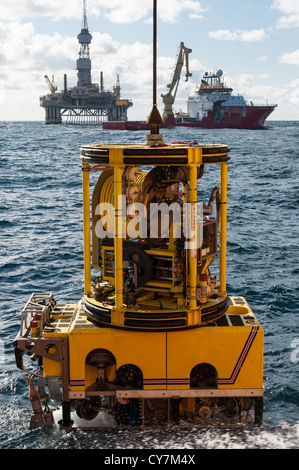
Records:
x=254, y=42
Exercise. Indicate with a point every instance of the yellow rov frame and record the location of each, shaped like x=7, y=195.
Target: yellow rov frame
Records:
x=155, y=334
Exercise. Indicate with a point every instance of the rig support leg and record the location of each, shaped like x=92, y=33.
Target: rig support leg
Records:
x=66, y=421
x=258, y=410
x=175, y=410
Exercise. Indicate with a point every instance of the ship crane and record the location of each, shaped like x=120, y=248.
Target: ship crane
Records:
x=51, y=84
x=168, y=98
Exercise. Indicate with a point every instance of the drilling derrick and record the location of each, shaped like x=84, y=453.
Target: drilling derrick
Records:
x=87, y=102
x=84, y=62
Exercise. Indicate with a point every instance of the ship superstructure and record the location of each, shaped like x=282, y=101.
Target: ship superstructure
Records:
x=213, y=105
x=87, y=102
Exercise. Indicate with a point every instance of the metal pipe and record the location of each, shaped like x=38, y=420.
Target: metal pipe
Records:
x=155, y=118
x=65, y=84
x=154, y=52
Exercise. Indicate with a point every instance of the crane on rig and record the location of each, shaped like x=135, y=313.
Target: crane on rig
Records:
x=51, y=84
x=168, y=98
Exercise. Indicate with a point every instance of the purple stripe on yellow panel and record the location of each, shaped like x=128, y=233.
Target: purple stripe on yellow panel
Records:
x=231, y=380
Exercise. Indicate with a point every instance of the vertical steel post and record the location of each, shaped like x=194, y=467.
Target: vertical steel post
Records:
x=86, y=228
x=66, y=421
x=193, y=228
x=118, y=241
x=223, y=224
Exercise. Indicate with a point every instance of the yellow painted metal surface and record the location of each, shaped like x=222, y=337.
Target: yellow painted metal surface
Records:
x=223, y=223
x=166, y=359
x=141, y=349
x=51, y=368
x=222, y=347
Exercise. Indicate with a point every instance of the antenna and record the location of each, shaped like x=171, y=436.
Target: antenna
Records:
x=155, y=118
x=84, y=20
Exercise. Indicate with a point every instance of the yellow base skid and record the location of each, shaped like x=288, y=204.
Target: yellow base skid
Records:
x=166, y=359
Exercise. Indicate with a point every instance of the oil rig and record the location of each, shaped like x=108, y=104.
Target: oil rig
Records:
x=86, y=103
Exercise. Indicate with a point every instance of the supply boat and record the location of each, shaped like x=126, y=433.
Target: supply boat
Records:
x=155, y=338
x=213, y=106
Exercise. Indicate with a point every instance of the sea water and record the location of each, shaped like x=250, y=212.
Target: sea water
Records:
x=42, y=251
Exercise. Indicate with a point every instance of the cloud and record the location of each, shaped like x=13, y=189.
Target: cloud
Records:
x=116, y=11
x=247, y=85
x=26, y=56
x=291, y=21
x=238, y=35
x=291, y=58
x=290, y=9
x=286, y=6
x=24, y=49
x=129, y=11
x=263, y=58
x=16, y=10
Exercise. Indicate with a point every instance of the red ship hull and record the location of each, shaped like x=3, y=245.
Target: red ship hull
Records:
x=254, y=119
